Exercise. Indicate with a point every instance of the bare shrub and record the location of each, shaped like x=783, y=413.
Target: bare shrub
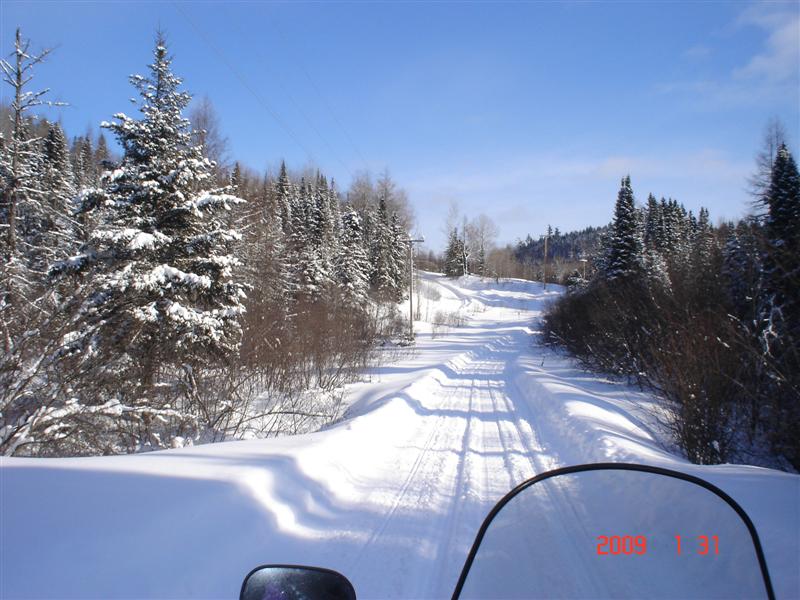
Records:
x=702, y=373
x=443, y=320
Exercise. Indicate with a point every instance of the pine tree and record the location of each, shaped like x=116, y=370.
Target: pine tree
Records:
x=480, y=263
x=780, y=319
x=22, y=210
x=335, y=216
x=265, y=258
x=325, y=234
x=78, y=167
x=400, y=264
x=285, y=194
x=702, y=242
x=236, y=177
x=59, y=234
x=454, y=255
x=285, y=200
x=624, y=254
x=309, y=273
x=352, y=263
x=162, y=274
x=90, y=175
x=384, y=274
x=741, y=270
x=782, y=257
x=653, y=222
x=101, y=153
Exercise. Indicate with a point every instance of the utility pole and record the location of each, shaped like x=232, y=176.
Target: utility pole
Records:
x=546, y=236
x=411, y=241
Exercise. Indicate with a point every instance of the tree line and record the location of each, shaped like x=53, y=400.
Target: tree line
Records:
x=157, y=299
x=709, y=316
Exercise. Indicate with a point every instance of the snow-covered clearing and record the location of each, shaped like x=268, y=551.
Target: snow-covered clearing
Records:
x=391, y=496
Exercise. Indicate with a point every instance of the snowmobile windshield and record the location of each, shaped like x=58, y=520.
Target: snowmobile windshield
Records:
x=616, y=531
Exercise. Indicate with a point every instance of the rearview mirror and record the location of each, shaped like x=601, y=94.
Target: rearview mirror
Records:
x=293, y=582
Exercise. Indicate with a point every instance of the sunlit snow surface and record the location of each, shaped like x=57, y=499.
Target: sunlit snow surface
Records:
x=391, y=496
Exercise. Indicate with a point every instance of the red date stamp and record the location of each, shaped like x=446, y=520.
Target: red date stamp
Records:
x=629, y=544
x=621, y=544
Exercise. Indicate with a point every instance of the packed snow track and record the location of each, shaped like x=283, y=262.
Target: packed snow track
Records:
x=392, y=495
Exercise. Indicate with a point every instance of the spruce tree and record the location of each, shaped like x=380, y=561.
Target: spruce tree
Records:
x=285, y=195
x=480, y=263
x=652, y=224
x=352, y=263
x=624, y=254
x=161, y=274
x=59, y=234
x=782, y=256
x=335, y=215
x=101, y=153
x=453, y=256
x=702, y=242
x=741, y=270
x=90, y=174
x=78, y=166
x=384, y=273
x=22, y=205
x=309, y=273
x=780, y=330
x=400, y=264
x=265, y=257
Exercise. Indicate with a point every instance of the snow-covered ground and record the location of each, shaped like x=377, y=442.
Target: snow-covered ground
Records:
x=391, y=496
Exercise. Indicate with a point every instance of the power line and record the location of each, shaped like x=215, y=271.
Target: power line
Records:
x=300, y=63
x=243, y=81
x=297, y=106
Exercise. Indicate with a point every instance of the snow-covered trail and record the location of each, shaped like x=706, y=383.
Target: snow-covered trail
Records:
x=391, y=496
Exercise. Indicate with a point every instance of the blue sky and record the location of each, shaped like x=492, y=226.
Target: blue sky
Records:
x=528, y=112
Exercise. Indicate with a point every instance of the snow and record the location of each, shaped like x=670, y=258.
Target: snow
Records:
x=392, y=495
x=142, y=239
x=164, y=273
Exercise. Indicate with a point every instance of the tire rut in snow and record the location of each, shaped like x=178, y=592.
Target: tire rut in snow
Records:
x=419, y=490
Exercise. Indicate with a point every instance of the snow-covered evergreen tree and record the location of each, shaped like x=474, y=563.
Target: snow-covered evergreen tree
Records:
x=59, y=234
x=266, y=261
x=334, y=231
x=23, y=213
x=90, y=172
x=326, y=231
x=624, y=253
x=285, y=198
x=352, y=263
x=78, y=167
x=780, y=313
x=400, y=248
x=480, y=261
x=741, y=270
x=782, y=257
x=702, y=243
x=653, y=221
x=384, y=254
x=454, y=255
x=309, y=274
x=160, y=270
x=101, y=153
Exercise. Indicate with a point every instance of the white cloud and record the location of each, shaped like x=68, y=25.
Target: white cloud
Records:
x=779, y=61
x=771, y=74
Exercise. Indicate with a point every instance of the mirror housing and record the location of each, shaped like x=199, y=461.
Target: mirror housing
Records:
x=295, y=582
